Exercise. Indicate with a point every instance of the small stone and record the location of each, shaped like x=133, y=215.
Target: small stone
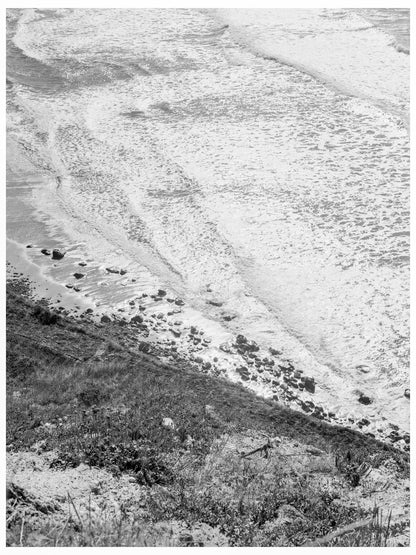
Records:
x=215, y=303
x=78, y=275
x=229, y=317
x=45, y=252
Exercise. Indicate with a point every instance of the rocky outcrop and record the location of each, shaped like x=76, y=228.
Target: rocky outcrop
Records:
x=58, y=254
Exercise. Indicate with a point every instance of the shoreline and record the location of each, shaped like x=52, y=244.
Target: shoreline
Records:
x=112, y=283
x=175, y=332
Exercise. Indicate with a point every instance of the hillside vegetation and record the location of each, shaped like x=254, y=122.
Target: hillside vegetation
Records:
x=109, y=446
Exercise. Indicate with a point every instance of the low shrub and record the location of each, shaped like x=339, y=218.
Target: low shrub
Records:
x=45, y=316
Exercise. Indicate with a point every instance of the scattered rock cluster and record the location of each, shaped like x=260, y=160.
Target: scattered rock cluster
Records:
x=251, y=363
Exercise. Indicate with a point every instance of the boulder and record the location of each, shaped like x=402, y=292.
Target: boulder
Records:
x=105, y=319
x=244, y=373
x=136, y=319
x=168, y=423
x=161, y=293
x=45, y=252
x=57, y=254
x=78, y=275
x=225, y=348
x=144, y=347
x=179, y=302
x=364, y=399
x=215, y=303
x=309, y=384
x=407, y=393
x=113, y=270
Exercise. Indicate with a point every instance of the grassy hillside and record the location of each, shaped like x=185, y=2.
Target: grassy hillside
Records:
x=107, y=445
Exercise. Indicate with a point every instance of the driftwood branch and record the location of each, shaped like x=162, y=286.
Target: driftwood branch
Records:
x=263, y=448
x=340, y=532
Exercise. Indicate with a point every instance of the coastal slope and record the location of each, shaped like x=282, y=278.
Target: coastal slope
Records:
x=108, y=445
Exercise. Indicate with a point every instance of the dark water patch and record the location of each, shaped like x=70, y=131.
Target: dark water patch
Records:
x=401, y=234
x=134, y=114
x=393, y=21
x=28, y=71
x=50, y=13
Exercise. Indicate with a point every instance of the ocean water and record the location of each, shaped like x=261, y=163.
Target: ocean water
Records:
x=258, y=157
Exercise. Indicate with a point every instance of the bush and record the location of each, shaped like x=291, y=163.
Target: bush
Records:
x=45, y=316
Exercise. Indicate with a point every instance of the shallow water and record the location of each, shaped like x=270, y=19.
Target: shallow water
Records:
x=260, y=161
